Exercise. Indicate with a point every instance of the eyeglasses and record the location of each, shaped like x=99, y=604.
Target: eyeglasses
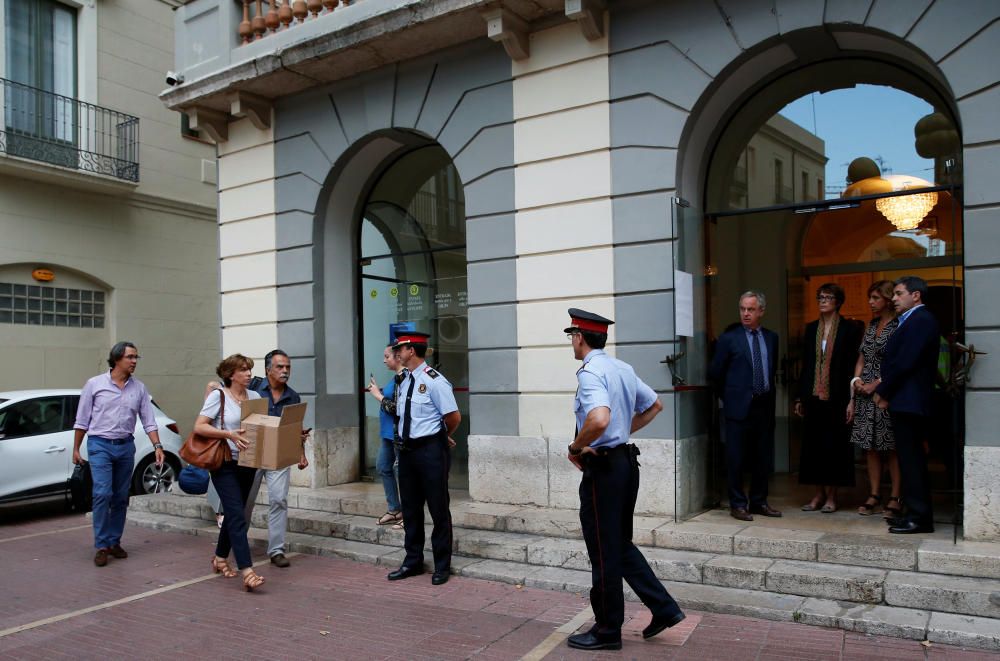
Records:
x=569, y=336
x=826, y=297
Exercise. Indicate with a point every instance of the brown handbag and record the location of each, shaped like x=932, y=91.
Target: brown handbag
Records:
x=207, y=453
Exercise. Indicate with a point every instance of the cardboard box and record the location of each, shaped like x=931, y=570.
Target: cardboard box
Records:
x=273, y=442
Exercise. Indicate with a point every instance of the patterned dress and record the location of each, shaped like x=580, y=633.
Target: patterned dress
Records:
x=872, y=426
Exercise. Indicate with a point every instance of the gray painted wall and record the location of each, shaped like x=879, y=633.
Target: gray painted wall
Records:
x=669, y=59
x=462, y=98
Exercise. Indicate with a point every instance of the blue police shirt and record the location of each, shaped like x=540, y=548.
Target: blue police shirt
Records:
x=607, y=381
x=432, y=399
x=386, y=421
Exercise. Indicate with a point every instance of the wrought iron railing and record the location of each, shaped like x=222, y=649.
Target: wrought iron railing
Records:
x=56, y=129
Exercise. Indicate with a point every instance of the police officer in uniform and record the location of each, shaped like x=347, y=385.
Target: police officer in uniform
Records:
x=611, y=402
x=428, y=416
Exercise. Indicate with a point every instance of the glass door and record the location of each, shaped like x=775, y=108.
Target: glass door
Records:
x=412, y=276
x=691, y=394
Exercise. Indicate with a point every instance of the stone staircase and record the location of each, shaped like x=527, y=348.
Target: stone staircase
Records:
x=924, y=589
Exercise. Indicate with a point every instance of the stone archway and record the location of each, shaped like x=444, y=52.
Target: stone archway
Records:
x=330, y=145
x=725, y=54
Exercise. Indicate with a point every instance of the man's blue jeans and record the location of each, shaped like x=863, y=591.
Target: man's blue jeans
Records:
x=385, y=467
x=111, y=464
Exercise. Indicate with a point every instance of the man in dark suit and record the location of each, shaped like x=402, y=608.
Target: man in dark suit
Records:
x=743, y=370
x=909, y=366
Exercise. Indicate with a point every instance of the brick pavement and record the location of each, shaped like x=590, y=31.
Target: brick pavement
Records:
x=332, y=608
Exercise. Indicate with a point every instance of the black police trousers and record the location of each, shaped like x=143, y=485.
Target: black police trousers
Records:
x=608, y=492
x=423, y=478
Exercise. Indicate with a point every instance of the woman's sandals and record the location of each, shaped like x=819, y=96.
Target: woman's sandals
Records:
x=221, y=566
x=893, y=511
x=390, y=517
x=868, y=508
x=251, y=580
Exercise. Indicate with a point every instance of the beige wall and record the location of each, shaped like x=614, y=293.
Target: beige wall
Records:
x=158, y=266
x=153, y=250
x=135, y=46
x=798, y=150
x=563, y=219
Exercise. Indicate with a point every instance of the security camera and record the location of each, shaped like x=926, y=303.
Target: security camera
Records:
x=174, y=78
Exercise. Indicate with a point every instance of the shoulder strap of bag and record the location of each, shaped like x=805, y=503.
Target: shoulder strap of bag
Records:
x=222, y=409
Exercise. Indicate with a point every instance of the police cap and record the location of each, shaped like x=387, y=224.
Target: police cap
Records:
x=411, y=338
x=581, y=320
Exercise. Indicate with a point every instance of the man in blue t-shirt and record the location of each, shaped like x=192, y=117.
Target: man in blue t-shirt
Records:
x=386, y=463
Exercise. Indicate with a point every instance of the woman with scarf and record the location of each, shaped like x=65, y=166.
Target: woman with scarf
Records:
x=830, y=351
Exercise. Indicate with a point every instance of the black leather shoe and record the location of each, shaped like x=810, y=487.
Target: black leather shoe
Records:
x=440, y=577
x=659, y=623
x=764, y=510
x=279, y=560
x=910, y=528
x=594, y=640
x=405, y=572
x=894, y=521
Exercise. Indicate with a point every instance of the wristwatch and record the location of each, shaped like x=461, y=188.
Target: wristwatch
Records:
x=157, y=446
x=573, y=452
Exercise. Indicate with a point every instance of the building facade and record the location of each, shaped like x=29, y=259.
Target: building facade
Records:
x=593, y=146
x=107, y=213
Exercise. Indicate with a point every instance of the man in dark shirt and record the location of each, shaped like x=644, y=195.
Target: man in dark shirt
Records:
x=906, y=389
x=275, y=389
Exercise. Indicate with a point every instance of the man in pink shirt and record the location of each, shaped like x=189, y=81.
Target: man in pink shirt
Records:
x=109, y=405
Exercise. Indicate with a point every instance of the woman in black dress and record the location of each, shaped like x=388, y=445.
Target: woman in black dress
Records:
x=872, y=430
x=831, y=351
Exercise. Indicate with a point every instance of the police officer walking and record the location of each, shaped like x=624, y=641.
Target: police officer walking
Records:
x=611, y=402
x=428, y=416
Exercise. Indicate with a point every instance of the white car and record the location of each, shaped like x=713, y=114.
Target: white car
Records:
x=36, y=446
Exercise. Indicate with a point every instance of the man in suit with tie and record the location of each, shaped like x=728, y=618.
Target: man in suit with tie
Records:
x=906, y=389
x=743, y=370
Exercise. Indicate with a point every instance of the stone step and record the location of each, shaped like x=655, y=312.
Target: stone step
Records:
x=813, y=578
x=827, y=581
x=942, y=593
x=868, y=618
x=928, y=555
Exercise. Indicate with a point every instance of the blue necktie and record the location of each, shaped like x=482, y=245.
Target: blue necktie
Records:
x=758, y=365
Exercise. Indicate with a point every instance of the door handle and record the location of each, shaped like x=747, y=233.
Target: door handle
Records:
x=55, y=448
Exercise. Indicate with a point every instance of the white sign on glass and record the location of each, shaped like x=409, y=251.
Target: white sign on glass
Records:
x=683, y=304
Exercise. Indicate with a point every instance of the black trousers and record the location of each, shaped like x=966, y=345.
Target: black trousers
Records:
x=423, y=478
x=232, y=483
x=750, y=441
x=608, y=492
x=916, y=485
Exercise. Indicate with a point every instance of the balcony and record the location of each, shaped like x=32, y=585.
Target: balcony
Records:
x=68, y=133
x=236, y=57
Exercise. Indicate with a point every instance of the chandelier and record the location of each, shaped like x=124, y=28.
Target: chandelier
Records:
x=906, y=212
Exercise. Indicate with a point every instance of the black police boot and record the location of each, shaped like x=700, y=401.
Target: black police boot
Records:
x=595, y=640
x=404, y=572
x=440, y=576
x=659, y=623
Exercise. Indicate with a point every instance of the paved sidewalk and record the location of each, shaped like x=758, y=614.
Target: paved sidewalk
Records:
x=163, y=603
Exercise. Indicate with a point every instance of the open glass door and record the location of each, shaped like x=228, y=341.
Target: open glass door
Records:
x=692, y=397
